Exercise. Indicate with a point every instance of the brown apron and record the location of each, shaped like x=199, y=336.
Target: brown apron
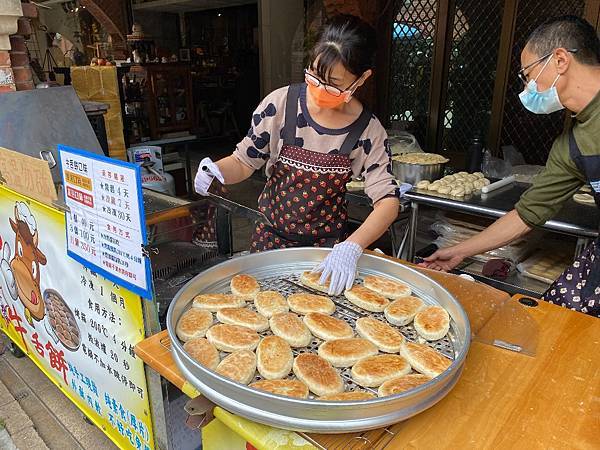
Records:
x=304, y=198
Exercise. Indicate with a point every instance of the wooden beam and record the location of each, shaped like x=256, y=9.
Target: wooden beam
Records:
x=592, y=12
x=438, y=90
x=382, y=68
x=507, y=33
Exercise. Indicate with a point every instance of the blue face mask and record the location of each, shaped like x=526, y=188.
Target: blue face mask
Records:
x=545, y=102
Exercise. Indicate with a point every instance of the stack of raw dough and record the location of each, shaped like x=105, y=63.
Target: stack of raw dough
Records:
x=457, y=185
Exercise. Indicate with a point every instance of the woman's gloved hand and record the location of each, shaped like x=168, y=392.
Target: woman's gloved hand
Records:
x=340, y=265
x=207, y=171
x=404, y=188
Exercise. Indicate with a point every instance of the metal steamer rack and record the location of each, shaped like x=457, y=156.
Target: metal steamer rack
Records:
x=279, y=270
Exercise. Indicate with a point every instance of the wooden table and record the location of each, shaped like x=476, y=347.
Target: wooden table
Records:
x=503, y=399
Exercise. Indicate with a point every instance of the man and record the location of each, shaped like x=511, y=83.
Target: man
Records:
x=560, y=69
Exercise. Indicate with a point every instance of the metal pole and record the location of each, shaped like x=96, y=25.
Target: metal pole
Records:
x=412, y=231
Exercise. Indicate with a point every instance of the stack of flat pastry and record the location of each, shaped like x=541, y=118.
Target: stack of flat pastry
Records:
x=385, y=286
x=244, y=286
x=366, y=298
x=402, y=311
x=326, y=327
x=289, y=327
x=244, y=318
x=424, y=359
x=269, y=303
x=203, y=352
x=215, y=302
x=432, y=323
x=193, y=323
x=402, y=384
x=346, y=352
x=386, y=338
x=317, y=374
x=348, y=396
x=287, y=388
x=232, y=338
x=274, y=358
x=303, y=303
x=311, y=280
x=238, y=366
x=375, y=370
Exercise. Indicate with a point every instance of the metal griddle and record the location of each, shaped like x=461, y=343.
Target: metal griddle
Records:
x=275, y=270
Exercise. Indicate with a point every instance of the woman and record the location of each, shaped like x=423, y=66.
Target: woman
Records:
x=313, y=137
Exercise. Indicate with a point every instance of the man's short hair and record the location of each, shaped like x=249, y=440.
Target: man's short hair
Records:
x=569, y=32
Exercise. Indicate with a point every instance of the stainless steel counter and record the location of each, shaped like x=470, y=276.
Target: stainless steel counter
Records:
x=574, y=219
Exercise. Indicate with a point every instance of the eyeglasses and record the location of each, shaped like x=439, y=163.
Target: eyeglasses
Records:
x=336, y=92
x=521, y=73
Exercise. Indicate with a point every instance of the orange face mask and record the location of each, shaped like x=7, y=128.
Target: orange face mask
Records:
x=324, y=99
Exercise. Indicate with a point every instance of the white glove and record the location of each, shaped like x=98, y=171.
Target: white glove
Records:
x=207, y=171
x=340, y=264
x=404, y=188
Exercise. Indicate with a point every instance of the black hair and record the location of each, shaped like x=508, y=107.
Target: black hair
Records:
x=568, y=32
x=346, y=39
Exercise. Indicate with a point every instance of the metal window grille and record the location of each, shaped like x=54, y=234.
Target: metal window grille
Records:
x=532, y=134
x=476, y=31
x=413, y=35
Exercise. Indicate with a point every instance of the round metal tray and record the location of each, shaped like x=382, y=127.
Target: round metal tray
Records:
x=274, y=270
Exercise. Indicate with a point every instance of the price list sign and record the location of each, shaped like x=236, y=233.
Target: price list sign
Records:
x=105, y=225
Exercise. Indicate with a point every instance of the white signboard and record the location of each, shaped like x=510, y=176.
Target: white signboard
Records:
x=105, y=226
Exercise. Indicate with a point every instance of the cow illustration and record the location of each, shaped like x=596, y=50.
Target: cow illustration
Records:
x=25, y=264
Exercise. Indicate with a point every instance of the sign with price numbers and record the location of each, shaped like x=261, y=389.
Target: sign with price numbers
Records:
x=79, y=328
x=106, y=229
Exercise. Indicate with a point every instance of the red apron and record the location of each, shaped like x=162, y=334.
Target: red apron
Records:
x=304, y=198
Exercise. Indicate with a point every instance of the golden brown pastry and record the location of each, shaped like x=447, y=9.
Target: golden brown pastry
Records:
x=317, y=374
x=287, y=388
x=385, y=338
x=244, y=318
x=402, y=384
x=203, y=352
x=274, y=358
x=244, y=286
x=366, y=298
x=375, y=370
x=193, y=323
x=425, y=359
x=346, y=352
x=232, y=338
x=238, y=366
x=326, y=327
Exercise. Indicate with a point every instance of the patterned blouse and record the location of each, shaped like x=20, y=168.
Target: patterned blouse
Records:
x=371, y=157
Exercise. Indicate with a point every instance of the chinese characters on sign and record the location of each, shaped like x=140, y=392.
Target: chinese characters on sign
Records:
x=105, y=226
x=78, y=327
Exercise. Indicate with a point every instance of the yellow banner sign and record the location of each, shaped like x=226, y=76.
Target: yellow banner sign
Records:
x=78, y=328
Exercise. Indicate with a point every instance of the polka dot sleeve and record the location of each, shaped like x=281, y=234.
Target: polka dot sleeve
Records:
x=373, y=161
x=255, y=148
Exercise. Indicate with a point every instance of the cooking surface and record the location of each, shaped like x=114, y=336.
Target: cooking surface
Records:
x=574, y=218
x=288, y=283
x=272, y=269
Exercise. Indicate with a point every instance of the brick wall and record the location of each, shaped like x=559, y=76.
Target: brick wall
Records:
x=18, y=54
x=15, y=71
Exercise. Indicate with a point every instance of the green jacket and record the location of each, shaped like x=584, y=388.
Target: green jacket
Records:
x=561, y=178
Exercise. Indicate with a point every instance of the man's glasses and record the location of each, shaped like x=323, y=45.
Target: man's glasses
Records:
x=336, y=92
x=521, y=73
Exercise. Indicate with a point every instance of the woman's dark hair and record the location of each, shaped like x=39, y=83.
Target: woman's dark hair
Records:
x=346, y=39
